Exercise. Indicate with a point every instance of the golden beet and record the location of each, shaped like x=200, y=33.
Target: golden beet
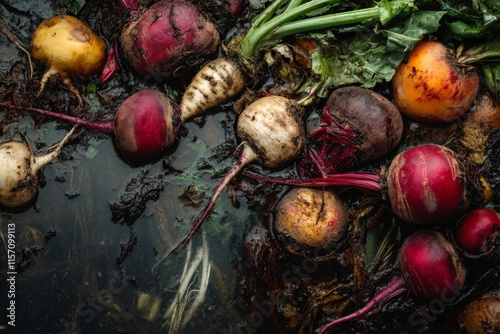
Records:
x=431, y=86
x=69, y=47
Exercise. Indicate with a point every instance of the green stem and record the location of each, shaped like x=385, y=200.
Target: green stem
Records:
x=489, y=51
x=293, y=4
x=266, y=15
x=255, y=36
x=323, y=22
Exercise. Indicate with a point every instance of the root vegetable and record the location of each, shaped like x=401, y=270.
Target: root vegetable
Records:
x=482, y=120
x=375, y=119
x=432, y=86
x=216, y=83
x=167, y=39
x=19, y=169
x=481, y=316
x=478, y=232
x=306, y=219
x=358, y=125
x=426, y=184
x=144, y=126
x=430, y=267
x=271, y=134
x=281, y=19
x=68, y=47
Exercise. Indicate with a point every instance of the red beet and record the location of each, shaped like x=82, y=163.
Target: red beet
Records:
x=167, y=39
x=430, y=267
x=426, y=184
x=478, y=231
x=144, y=126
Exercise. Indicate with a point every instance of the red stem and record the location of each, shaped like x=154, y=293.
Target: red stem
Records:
x=246, y=156
x=106, y=126
x=365, y=181
x=394, y=288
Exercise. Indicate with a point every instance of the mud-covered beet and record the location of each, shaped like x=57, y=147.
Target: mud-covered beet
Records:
x=481, y=315
x=306, y=219
x=374, y=118
x=168, y=38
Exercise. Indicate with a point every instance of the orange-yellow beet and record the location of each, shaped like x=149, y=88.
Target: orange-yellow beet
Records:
x=431, y=86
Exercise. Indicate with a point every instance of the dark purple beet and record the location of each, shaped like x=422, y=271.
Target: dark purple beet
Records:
x=358, y=125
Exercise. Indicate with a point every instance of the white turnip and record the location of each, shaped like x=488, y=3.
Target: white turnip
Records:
x=430, y=268
x=306, y=219
x=271, y=133
x=144, y=126
x=19, y=169
x=69, y=48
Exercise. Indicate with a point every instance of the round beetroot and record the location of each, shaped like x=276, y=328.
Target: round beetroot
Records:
x=477, y=232
x=431, y=266
x=167, y=39
x=426, y=184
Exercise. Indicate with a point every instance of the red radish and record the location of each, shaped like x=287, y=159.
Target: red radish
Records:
x=271, y=133
x=478, y=231
x=144, y=126
x=306, y=218
x=19, y=169
x=433, y=86
x=68, y=47
x=426, y=184
x=431, y=269
x=167, y=39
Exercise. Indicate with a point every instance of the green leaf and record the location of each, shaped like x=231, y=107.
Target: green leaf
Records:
x=372, y=57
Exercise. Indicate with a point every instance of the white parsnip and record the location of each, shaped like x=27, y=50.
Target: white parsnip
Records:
x=217, y=82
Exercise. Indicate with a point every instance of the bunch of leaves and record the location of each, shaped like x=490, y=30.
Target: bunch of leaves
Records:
x=366, y=54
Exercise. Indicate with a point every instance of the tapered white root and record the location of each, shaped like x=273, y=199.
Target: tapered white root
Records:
x=42, y=160
x=216, y=83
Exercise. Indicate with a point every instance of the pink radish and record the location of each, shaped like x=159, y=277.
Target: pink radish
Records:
x=144, y=126
x=19, y=169
x=431, y=269
x=271, y=134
